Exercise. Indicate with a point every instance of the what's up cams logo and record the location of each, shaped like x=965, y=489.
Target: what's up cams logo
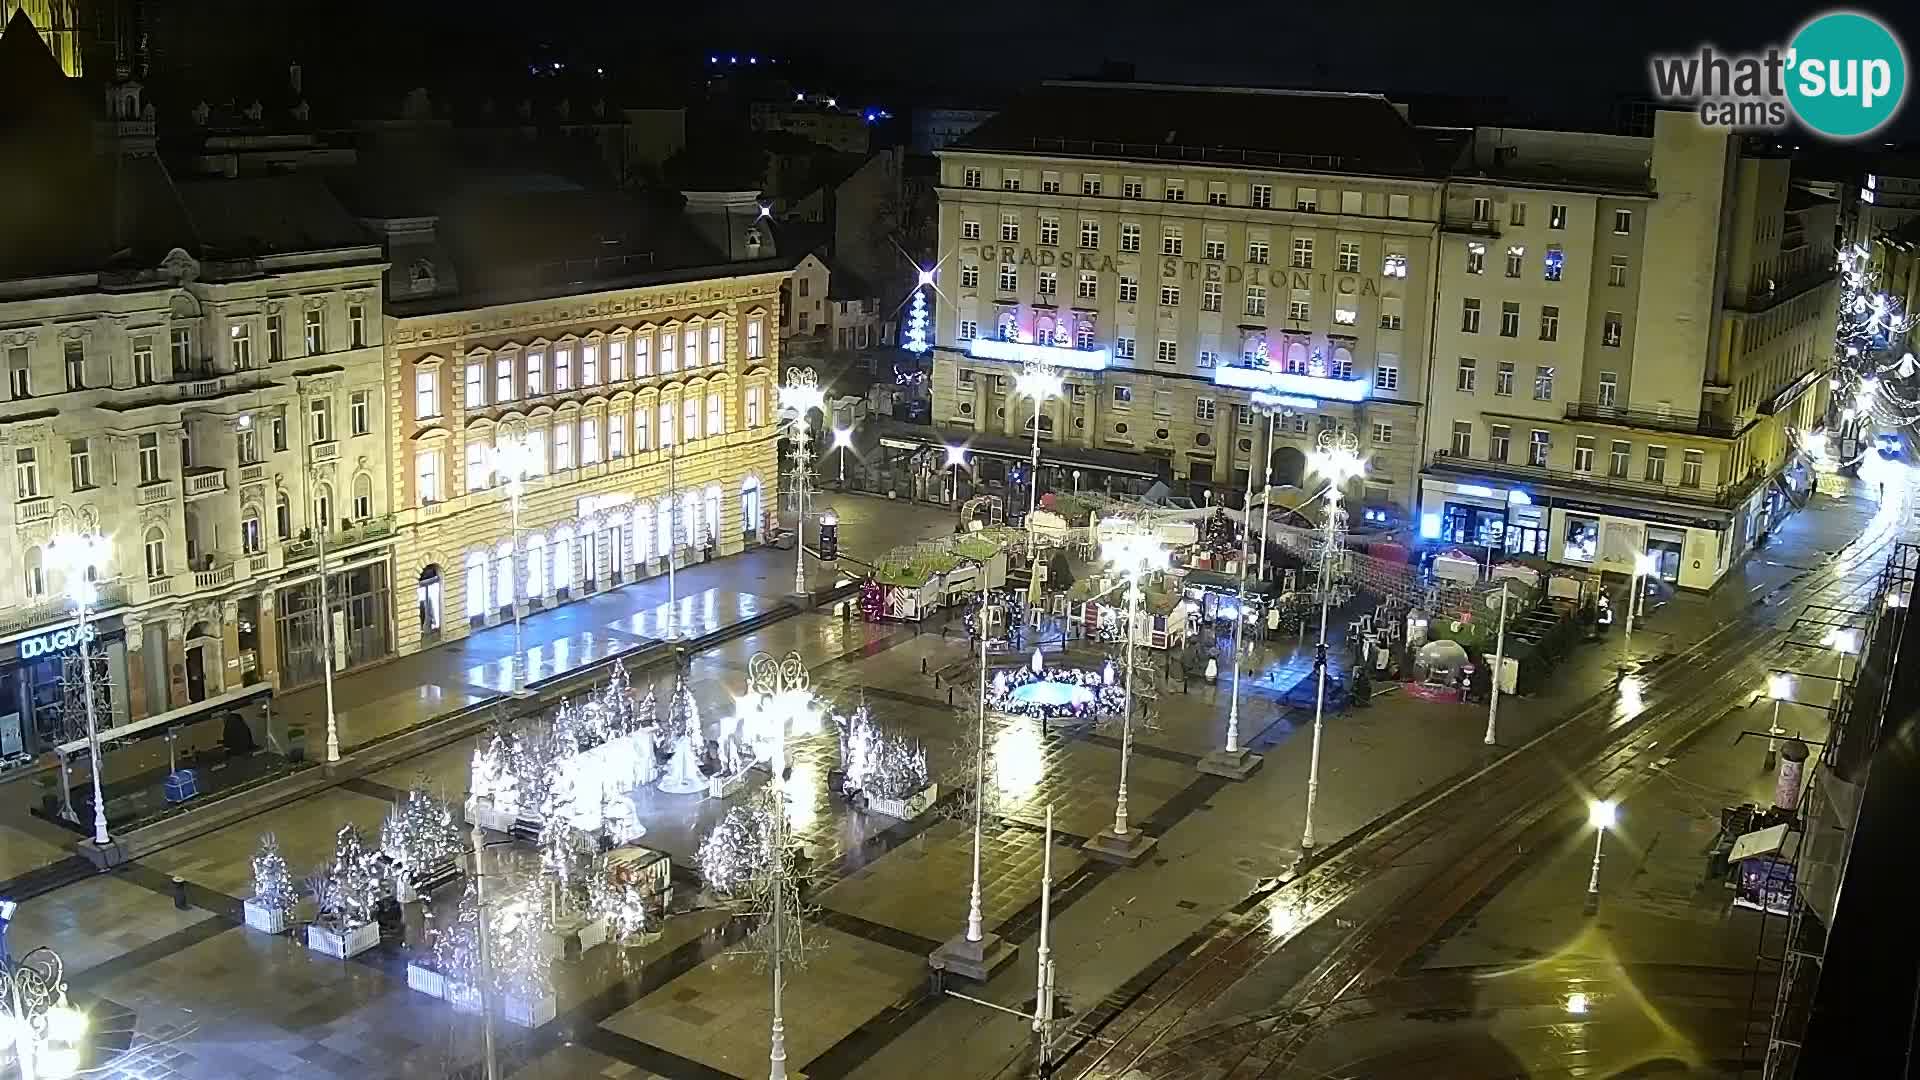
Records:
x=1843, y=76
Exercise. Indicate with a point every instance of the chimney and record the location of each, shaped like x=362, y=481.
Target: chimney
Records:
x=732, y=221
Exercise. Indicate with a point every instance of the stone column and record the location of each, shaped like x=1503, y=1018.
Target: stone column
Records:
x=176, y=660
x=229, y=676
x=268, y=634
x=136, y=689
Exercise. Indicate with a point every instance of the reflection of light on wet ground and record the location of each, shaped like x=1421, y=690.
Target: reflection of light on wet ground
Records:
x=802, y=791
x=1019, y=759
x=1283, y=920
x=1631, y=702
x=1577, y=1004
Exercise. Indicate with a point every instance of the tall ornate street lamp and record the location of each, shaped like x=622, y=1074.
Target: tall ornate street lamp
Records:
x=1135, y=553
x=511, y=461
x=1236, y=762
x=80, y=553
x=1336, y=460
x=44, y=1031
x=1601, y=814
x=956, y=459
x=800, y=395
x=843, y=442
x=1040, y=383
x=315, y=478
x=1278, y=407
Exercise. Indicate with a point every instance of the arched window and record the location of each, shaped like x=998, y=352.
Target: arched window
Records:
x=642, y=531
x=362, y=497
x=562, y=548
x=1296, y=358
x=252, y=540
x=750, y=506
x=1342, y=362
x=690, y=518
x=322, y=506
x=503, y=575
x=156, y=550
x=282, y=517
x=476, y=584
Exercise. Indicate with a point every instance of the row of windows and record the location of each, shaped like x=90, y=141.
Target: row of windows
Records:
x=510, y=376
x=1612, y=325
x=1173, y=243
x=1556, y=215
x=1288, y=421
x=1259, y=196
x=1619, y=462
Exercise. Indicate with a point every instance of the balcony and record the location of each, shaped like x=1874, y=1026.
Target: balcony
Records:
x=158, y=491
x=203, y=480
x=1470, y=226
x=323, y=451
x=216, y=570
x=253, y=474
x=1702, y=424
x=1722, y=497
x=1243, y=375
x=361, y=532
x=30, y=511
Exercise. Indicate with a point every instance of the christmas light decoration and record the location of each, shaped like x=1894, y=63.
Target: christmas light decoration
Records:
x=678, y=739
x=916, y=342
x=878, y=762
x=1057, y=694
x=420, y=834
x=352, y=882
x=272, y=881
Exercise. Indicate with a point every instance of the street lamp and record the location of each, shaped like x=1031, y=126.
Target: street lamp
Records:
x=35, y=1019
x=1337, y=460
x=511, y=461
x=1275, y=409
x=1601, y=814
x=843, y=442
x=1845, y=642
x=1499, y=664
x=1135, y=551
x=1036, y=381
x=956, y=459
x=784, y=699
x=800, y=395
x=80, y=555
x=1236, y=762
x=1644, y=565
x=1779, y=688
x=314, y=477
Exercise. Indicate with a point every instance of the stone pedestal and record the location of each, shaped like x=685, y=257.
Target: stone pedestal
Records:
x=1128, y=850
x=1235, y=765
x=975, y=960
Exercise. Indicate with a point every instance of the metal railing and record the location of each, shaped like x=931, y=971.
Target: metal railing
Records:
x=1704, y=424
x=206, y=481
x=112, y=594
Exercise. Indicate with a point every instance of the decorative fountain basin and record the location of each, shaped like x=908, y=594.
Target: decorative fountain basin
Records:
x=1050, y=693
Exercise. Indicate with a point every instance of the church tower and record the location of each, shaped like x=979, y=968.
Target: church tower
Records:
x=62, y=25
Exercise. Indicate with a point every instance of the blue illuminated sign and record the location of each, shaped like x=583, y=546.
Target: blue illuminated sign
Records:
x=1286, y=382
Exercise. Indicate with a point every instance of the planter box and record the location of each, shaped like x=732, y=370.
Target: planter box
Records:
x=530, y=1013
x=264, y=919
x=403, y=889
x=725, y=787
x=572, y=936
x=463, y=997
x=426, y=980
x=343, y=944
x=908, y=808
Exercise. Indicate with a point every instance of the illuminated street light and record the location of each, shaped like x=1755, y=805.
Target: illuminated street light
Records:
x=1779, y=688
x=1135, y=553
x=1336, y=460
x=843, y=442
x=1036, y=381
x=800, y=395
x=35, y=1019
x=956, y=459
x=1235, y=762
x=81, y=553
x=1601, y=814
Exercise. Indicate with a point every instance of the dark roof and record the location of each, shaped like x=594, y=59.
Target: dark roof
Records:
x=1799, y=198
x=501, y=240
x=268, y=215
x=1357, y=133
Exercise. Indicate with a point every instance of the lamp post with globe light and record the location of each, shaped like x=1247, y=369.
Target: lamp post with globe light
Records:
x=1235, y=762
x=1277, y=407
x=44, y=1031
x=843, y=442
x=511, y=460
x=80, y=552
x=800, y=395
x=1601, y=814
x=1336, y=460
x=1135, y=552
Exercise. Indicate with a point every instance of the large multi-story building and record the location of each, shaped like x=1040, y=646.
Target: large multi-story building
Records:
x=1174, y=251
x=630, y=348
x=194, y=370
x=1629, y=332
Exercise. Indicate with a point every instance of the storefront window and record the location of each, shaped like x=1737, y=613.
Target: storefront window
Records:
x=1467, y=524
x=1582, y=539
x=362, y=604
x=1526, y=531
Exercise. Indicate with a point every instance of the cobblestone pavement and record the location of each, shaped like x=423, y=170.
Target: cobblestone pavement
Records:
x=216, y=1001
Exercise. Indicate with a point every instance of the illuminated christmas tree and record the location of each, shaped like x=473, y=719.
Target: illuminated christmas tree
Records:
x=917, y=323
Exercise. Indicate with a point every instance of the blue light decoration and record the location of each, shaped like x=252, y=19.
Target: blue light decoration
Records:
x=1555, y=260
x=1429, y=526
x=1024, y=352
x=917, y=323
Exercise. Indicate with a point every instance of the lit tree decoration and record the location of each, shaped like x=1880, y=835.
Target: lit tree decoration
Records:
x=566, y=855
x=738, y=850
x=683, y=714
x=272, y=881
x=1219, y=535
x=917, y=323
x=352, y=882
x=620, y=900
x=420, y=833
x=878, y=762
x=873, y=600
x=522, y=966
x=453, y=936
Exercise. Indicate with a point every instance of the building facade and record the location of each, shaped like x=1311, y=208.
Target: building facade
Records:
x=1175, y=251
x=1630, y=335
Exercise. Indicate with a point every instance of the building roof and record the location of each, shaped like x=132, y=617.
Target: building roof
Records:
x=1354, y=133
x=268, y=215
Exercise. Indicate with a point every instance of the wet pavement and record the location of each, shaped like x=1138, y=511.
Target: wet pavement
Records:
x=216, y=1001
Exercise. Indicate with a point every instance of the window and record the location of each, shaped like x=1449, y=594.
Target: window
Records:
x=1163, y=403
x=969, y=329
x=1009, y=278
x=1123, y=348
x=1394, y=264
x=1517, y=213
x=1261, y=196
x=26, y=474
x=1089, y=185
x=180, y=348
x=316, y=330
x=1499, y=438
x=278, y=425
x=1129, y=290
x=1382, y=434
x=1609, y=388
x=563, y=362
x=1349, y=257
x=1133, y=188
x=1390, y=312
x=1215, y=251
x=1538, y=445
x=1617, y=271
x=1306, y=198
x=1176, y=191
x=1345, y=316
x=1049, y=284
x=475, y=387
x=617, y=359
x=1257, y=252
x=426, y=478
x=1256, y=300
x=970, y=177
x=357, y=324
x=1691, y=464
x=282, y=517
x=716, y=415
x=1050, y=183
x=1010, y=181
x=320, y=420
x=1083, y=340
x=20, y=371
x=1610, y=330
x=360, y=411
x=1216, y=194
x=689, y=418
x=1206, y=358
x=969, y=230
x=1122, y=396
x=276, y=338
x=1543, y=382
x=1089, y=234
x=616, y=435
x=590, y=357
x=426, y=393
x=1618, y=458
x=1622, y=222
x=1483, y=209
x=1549, y=323
x=643, y=414
x=155, y=549
x=1509, y=320
x=1503, y=379
x=589, y=441
x=149, y=458
x=362, y=497
x=1168, y=352
x=1386, y=373
x=1583, y=453
x=1553, y=263
x=1469, y=316
x=1351, y=202
x=536, y=380
x=1656, y=464
x=1303, y=252
x=1088, y=287
x=1557, y=216
x=1169, y=296
x=1466, y=375
x=143, y=373
x=1476, y=258
x=479, y=465
x=1516, y=256
x=1009, y=228
x=251, y=539
x=1171, y=242
x=1399, y=206
x=1050, y=231
x=503, y=379
x=1300, y=305
x=1129, y=236
x=1203, y=410
x=1243, y=416
x=80, y=463
x=1462, y=439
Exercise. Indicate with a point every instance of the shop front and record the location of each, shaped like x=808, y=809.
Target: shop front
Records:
x=360, y=604
x=35, y=713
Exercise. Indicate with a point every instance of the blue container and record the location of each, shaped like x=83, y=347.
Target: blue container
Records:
x=182, y=785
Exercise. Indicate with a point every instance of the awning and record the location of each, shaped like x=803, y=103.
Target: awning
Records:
x=246, y=695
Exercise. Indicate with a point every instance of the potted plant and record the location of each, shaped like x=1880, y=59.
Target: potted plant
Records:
x=268, y=909
x=344, y=896
x=420, y=841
